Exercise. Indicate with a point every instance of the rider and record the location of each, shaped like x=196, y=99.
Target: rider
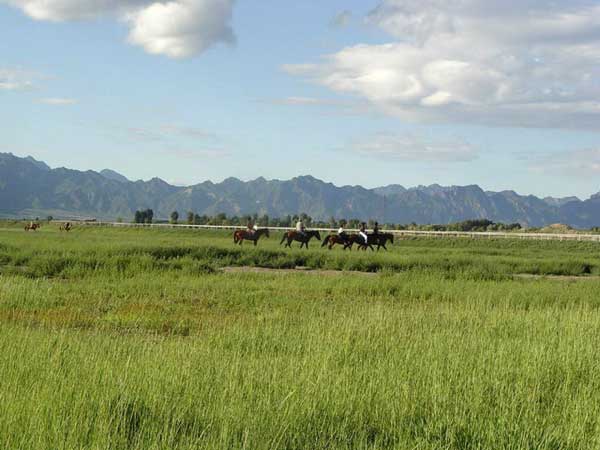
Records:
x=251, y=227
x=300, y=228
x=376, y=229
x=363, y=232
x=341, y=232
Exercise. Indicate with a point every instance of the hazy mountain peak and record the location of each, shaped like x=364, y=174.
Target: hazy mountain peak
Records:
x=114, y=176
x=39, y=164
x=560, y=201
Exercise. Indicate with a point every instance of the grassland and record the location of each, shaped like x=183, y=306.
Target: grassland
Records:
x=135, y=339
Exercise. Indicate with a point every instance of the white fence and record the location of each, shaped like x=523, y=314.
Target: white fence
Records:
x=400, y=233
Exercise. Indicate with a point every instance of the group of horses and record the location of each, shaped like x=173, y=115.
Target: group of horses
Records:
x=374, y=240
x=34, y=226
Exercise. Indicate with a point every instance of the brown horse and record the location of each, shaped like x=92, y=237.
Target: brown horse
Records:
x=303, y=238
x=334, y=239
x=32, y=226
x=239, y=236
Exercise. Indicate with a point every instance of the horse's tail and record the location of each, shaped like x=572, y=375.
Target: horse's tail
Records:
x=326, y=241
x=235, y=237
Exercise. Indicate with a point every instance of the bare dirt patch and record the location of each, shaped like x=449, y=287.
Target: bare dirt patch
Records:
x=306, y=270
x=529, y=276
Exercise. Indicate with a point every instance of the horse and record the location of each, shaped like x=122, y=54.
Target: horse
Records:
x=303, y=238
x=333, y=239
x=381, y=239
x=66, y=227
x=239, y=236
x=360, y=242
x=32, y=226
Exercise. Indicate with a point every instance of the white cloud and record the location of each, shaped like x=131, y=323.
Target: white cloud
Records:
x=58, y=101
x=15, y=79
x=411, y=148
x=175, y=28
x=183, y=28
x=577, y=163
x=496, y=62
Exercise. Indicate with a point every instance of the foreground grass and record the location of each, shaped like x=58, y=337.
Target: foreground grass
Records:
x=166, y=352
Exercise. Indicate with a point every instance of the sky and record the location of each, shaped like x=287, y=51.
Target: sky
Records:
x=500, y=93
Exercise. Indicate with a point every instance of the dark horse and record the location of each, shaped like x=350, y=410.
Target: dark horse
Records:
x=334, y=239
x=379, y=239
x=239, y=236
x=303, y=238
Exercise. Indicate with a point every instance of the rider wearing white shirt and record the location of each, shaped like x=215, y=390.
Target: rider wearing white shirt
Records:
x=300, y=227
x=363, y=232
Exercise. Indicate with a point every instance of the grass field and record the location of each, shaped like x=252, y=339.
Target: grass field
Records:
x=136, y=339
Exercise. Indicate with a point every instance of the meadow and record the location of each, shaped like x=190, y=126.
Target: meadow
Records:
x=139, y=339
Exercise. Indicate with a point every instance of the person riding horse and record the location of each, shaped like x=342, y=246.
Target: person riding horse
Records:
x=300, y=228
x=251, y=227
x=342, y=233
x=362, y=231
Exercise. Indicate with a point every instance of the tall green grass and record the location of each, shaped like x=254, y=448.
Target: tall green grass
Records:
x=134, y=339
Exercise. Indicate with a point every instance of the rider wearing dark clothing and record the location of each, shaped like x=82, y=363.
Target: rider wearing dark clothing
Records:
x=376, y=229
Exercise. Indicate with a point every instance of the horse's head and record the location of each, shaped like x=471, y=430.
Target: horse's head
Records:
x=318, y=235
x=391, y=237
x=266, y=232
x=326, y=241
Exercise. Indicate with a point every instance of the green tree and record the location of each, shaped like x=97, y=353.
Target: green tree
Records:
x=148, y=216
x=190, y=217
x=174, y=217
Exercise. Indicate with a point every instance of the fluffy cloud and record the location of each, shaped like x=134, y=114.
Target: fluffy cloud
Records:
x=176, y=28
x=180, y=29
x=496, y=62
x=412, y=148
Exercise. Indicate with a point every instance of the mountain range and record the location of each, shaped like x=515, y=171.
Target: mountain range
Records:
x=29, y=187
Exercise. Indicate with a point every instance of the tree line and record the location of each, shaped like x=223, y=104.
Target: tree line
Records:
x=222, y=219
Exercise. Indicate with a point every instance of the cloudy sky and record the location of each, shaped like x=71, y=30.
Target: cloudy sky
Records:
x=500, y=93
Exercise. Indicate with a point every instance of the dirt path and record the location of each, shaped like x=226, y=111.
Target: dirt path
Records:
x=528, y=276
x=305, y=270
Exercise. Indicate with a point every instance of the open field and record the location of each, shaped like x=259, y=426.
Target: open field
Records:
x=138, y=339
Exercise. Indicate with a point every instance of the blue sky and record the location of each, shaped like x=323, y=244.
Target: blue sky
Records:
x=352, y=92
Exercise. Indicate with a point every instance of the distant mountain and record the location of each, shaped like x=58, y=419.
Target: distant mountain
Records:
x=112, y=175
x=560, y=201
x=29, y=187
x=39, y=164
x=392, y=189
